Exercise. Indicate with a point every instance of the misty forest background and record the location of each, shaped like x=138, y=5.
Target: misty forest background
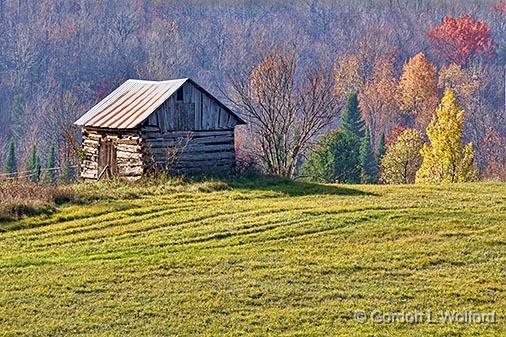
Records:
x=58, y=58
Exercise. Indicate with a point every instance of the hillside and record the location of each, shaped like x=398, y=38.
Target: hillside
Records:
x=267, y=258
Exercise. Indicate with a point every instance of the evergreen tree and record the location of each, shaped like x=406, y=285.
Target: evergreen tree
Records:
x=335, y=159
x=445, y=159
x=50, y=174
x=16, y=113
x=380, y=151
x=11, y=164
x=368, y=163
x=351, y=120
x=67, y=174
x=33, y=166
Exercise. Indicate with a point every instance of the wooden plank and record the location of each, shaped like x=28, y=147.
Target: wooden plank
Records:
x=128, y=148
x=156, y=143
x=89, y=175
x=202, y=163
x=205, y=156
x=150, y=129
x=198, y=109
x=127, y=141
x=161, y=119
x=91, y=142
x=187, y=92
x=128, y=155
x=194, y=149
x=216, y=116
x=131, y=170
x=194, y=134
x=206, y=112
x=170, y=111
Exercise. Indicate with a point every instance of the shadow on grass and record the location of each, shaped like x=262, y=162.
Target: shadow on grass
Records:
x=292, y=188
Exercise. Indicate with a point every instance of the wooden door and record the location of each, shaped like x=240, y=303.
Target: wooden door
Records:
x=107, y=166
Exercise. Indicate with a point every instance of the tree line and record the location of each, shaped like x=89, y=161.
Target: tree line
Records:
x=58, y=58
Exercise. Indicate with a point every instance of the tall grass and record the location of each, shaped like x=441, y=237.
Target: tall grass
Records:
x=20, y=198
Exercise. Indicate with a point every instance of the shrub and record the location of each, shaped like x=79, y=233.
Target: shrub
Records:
x=402, y=159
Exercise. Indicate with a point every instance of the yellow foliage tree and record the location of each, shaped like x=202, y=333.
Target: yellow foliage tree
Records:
x=402, y=158
x=418, y=90
x=467, y=83
x=445, y=159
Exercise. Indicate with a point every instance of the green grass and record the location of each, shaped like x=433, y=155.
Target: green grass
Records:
x=266, y=257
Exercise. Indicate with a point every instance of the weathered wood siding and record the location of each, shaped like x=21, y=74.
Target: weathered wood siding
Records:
x=196, y=111
x=127, y=145
x=204, y=151
x=191, y=113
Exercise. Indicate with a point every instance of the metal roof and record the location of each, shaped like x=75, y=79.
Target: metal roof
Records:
x=133, y=101
x=130, y=104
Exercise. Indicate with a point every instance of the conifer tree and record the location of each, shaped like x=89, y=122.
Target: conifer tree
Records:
x=368, y=163
x=11, y=164
x=67, y=175
x=50, y=174
x=351, y=120
x=32, y=166
x=445, y=159
x=335, y=159
x=380, y=151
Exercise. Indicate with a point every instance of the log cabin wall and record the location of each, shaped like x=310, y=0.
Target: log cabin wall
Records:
x=196, y=124
x=127, y=147
x=197, y=151
x=191, y=131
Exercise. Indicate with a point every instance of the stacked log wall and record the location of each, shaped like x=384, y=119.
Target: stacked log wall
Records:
x=197, y=151
x=128, y=147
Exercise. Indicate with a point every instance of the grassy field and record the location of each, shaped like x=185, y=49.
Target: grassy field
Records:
x=260, y=258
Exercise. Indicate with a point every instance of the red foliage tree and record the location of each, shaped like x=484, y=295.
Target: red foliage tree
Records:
x=500, y=7
x=394, y=134
x=460, y=38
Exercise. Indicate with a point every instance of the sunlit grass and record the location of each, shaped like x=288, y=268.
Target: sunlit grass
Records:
x=261, y=257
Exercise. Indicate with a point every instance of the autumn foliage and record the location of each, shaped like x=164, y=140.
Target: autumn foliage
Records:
x=418, y=91
x=445, y=159
x=394, y=134
x=460, y=38
x=494, y=152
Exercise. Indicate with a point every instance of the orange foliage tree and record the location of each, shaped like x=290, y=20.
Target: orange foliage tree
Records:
x=458, y=39
x=379, y=101
x=349, y=76
x=418, y=92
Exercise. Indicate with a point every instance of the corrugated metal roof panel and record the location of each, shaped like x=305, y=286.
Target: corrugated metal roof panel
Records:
x=130, y=104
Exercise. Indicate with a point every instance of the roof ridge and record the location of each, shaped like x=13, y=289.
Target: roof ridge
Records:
x=152, y=81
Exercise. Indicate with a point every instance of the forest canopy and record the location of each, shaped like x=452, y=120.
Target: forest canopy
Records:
x=58, y=58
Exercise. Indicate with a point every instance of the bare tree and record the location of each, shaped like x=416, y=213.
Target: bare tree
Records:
x=285, y=109
x=155, y=165
x=175, y=151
